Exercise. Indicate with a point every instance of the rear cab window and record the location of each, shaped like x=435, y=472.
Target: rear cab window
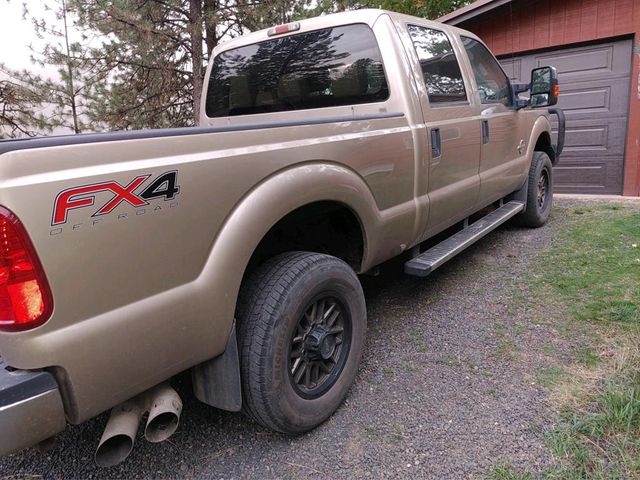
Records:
x=323, y=68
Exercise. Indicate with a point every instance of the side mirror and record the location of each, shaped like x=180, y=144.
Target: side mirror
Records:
x=544, y=87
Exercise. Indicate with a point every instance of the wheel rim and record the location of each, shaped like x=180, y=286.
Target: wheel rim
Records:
x=543, y=190
x=319, y=347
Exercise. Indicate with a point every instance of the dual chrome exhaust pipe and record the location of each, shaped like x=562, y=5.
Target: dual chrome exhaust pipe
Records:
x=164, y=406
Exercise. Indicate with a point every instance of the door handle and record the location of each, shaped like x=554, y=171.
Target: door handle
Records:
x=485, y=131
x=436, y=144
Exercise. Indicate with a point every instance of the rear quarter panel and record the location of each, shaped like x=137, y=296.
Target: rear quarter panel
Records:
x=141, y=294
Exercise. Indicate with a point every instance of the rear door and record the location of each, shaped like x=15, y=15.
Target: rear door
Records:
x=501, y=145
x=452, y=131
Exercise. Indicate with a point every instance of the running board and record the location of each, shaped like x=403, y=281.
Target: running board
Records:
x=427, y=262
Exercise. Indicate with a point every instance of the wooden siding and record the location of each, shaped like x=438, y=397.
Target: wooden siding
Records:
x=535, y=24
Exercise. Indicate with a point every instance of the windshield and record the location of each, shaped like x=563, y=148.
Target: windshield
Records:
x=324, y=68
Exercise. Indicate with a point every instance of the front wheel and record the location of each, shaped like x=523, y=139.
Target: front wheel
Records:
x=301, y=327
x=539, y=192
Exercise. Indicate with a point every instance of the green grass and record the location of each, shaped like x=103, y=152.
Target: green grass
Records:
x=588, y=356
x=591, y=275
x=416, y=336
x=549, y=376
x=594, y=267
x=507, y=472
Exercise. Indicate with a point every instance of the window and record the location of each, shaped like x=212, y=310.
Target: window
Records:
x=323, y=68
x=492, y=82
x=439, y=65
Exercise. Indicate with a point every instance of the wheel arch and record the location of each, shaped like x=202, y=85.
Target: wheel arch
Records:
x=543, y=144
x=540, y=139
x=289, y=195
x=272, y=203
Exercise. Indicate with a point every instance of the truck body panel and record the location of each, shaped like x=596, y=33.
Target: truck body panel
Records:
x=148, y=290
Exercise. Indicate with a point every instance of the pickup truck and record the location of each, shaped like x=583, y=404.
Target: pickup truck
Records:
x=232, y=249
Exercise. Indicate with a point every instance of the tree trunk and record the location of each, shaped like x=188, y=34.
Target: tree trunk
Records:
x=210, y=8
x=195, y=14
x=71, y=93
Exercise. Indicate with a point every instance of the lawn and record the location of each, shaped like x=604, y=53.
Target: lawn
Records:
x=588, y=284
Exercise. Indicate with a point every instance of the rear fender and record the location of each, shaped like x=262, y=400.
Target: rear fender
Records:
x=217, y=381
x=269, y=202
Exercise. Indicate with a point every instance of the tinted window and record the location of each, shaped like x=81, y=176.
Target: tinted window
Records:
x=492, y=82
x=439, y=65
x=324, y=68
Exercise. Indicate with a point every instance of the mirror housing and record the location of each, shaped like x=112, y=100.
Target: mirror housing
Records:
x=544, y=87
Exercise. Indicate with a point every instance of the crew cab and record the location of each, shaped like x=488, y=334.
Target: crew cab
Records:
x=233, y=249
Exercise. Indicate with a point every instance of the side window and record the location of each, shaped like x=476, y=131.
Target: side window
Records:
x=440, y=67
x=492, y=82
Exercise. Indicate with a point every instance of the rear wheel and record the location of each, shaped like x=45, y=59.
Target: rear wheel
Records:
x=539, y=193
x=302, y=323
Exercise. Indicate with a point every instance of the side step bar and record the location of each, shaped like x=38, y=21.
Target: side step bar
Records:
x=427, y=262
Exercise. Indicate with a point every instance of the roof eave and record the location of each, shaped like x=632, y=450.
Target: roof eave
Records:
x=472, y=10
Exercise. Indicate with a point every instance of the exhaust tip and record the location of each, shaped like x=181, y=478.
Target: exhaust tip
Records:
x=161, y=427
x=164, y=413
x=164, y=406
x=119, y=434
x=114, y=450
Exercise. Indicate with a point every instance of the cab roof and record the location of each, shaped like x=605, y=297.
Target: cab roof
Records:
x=368, y=16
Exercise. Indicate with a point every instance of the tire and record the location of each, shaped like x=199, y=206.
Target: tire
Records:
x=277, y=340
x=539, y=192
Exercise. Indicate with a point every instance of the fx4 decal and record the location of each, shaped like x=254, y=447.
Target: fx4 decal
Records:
x=165, y=186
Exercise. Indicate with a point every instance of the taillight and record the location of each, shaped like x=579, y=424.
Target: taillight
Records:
x=25, y=297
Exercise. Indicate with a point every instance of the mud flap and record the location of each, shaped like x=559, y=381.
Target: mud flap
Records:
x=216, y=382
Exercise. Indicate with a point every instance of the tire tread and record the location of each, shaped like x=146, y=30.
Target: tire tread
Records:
x=258, y=303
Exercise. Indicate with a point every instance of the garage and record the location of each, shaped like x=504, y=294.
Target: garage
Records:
x=595, y=46
x=594, y=94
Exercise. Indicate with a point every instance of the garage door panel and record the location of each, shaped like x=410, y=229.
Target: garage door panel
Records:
x=595, y=61
x=587, y=176
x=513, y=67
x=594, y=94
x=603, y=97
x=593, y=138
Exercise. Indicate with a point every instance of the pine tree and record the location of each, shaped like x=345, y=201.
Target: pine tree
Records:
x=157, y=50
x=135, y=64
x=73, y=73
x=20, y=110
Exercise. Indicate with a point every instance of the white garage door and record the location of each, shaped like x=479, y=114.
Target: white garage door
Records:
x=594, y=94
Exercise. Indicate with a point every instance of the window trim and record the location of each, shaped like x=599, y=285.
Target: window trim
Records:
x=284, y=112
x=451, y=103
x=511, y=96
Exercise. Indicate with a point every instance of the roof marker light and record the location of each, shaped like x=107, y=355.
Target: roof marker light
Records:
x=281, y=29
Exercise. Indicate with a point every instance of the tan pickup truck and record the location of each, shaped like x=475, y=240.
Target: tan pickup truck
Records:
x=233, y=249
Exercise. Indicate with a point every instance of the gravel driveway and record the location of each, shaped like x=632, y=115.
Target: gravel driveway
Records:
x=447, y=389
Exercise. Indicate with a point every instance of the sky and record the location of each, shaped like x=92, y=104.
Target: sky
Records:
x=16, y=34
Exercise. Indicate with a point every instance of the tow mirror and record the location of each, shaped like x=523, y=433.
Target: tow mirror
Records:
x=544, y=87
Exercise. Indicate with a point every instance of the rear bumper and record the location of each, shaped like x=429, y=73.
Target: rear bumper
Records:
x=30, y=408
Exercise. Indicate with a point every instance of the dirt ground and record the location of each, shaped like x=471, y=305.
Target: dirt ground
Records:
x=448, y=388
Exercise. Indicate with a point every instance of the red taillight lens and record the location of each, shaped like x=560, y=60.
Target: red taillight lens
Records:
x=25, y=297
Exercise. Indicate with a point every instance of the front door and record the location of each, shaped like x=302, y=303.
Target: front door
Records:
x=501, y=145
x=452, y=131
